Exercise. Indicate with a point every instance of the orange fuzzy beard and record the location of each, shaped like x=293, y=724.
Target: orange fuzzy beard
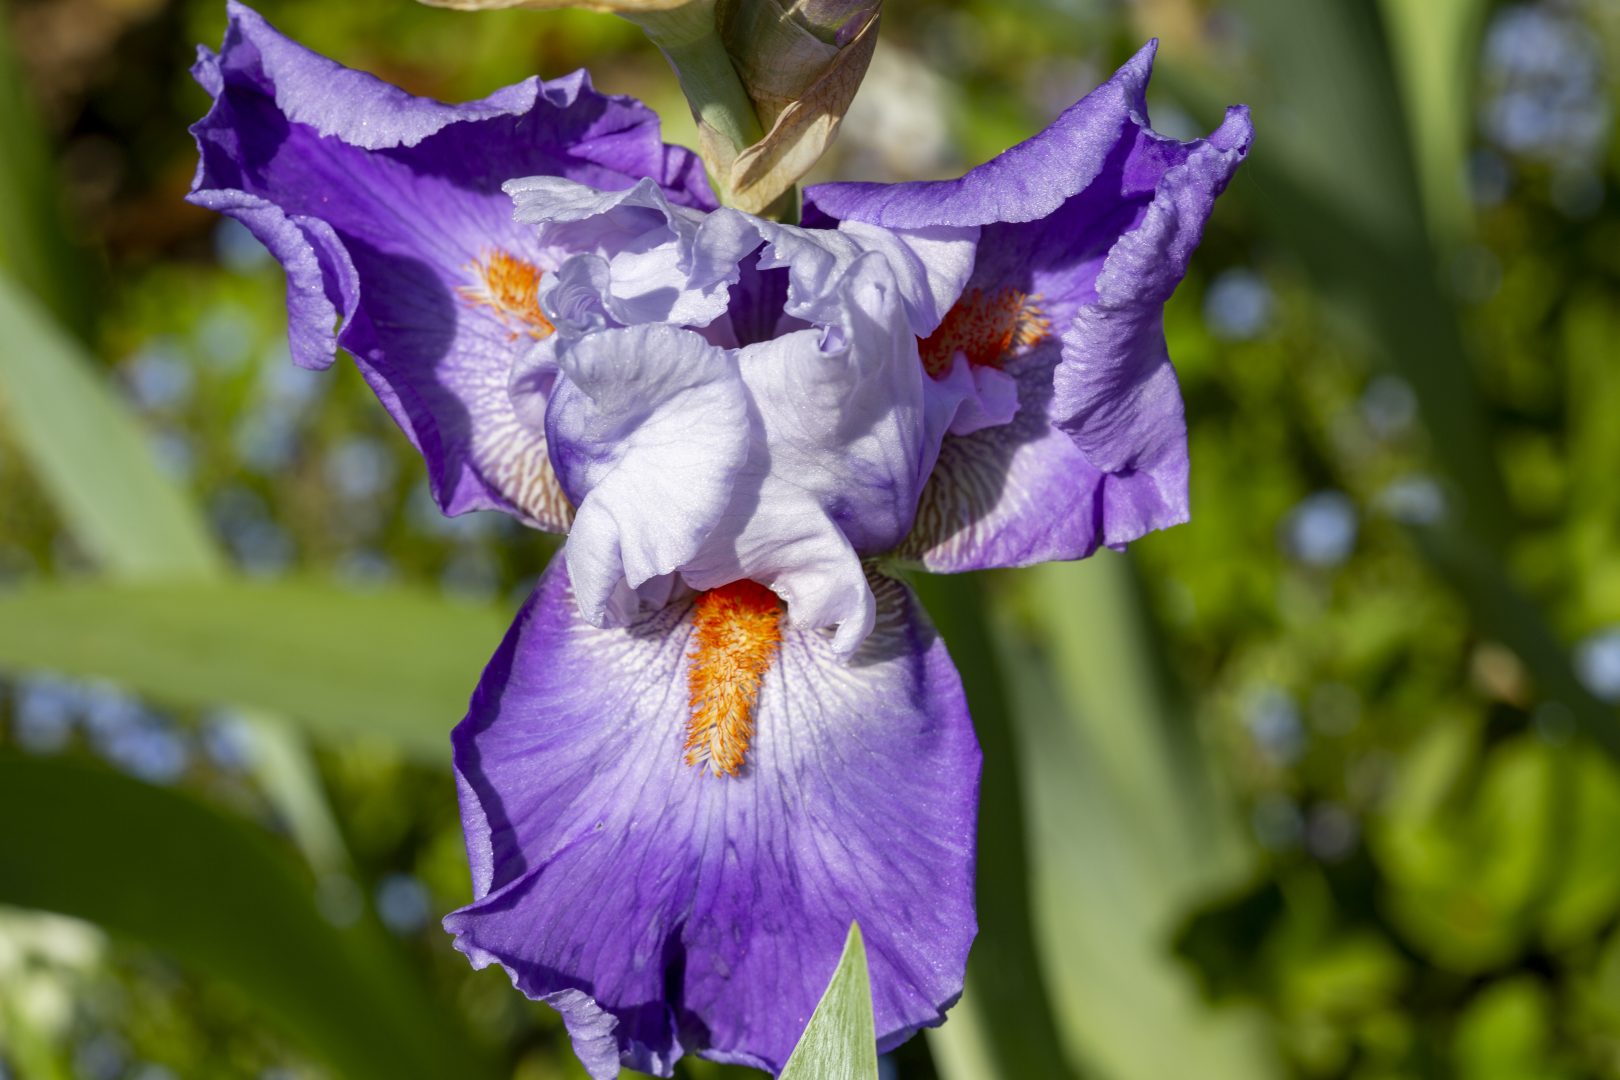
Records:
x=736, y=631
x=506, y=286
x=987, y=328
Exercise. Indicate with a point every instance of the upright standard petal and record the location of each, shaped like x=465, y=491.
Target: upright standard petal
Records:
x=386, y=212
x=1104, y=461
x=1115, y=392
x=663, y=908
x=646, y=244
x=650, y=428
x=836, y=436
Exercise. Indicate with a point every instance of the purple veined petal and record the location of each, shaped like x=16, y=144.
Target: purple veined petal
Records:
x=664, y=909
x=1013, y=495
x=1115, y=392
x=386, y=212
x=649, y=428
x=1055, y=214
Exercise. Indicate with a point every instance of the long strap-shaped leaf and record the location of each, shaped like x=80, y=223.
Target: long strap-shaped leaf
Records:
x=90, y=455
x=839, y=1042
x=93, y=462
x=215, y=891
x=395, y=664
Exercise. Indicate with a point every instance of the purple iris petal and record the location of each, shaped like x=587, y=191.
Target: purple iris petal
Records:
x=837, y=440
x=1115, y=392
x=664, y=910
x=1085, y=230
x=387, y=214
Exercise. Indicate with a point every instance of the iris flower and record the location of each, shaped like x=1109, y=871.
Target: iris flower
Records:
x=718, y=731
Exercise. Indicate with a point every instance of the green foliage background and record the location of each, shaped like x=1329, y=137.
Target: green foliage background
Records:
x=1248, y=812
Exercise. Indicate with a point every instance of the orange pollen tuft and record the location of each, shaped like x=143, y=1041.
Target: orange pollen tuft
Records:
x=987, y=328
x=506, y=285
x=736, y=631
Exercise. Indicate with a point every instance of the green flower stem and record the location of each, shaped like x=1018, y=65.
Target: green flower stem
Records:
x=689, y=38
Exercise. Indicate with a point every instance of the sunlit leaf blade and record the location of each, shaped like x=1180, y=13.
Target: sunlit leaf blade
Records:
x=89, y=454
x=1433, y=47
x=217, y=893
x=1127, y=831
x=1003, y=1028
x=839, y=1043
x=395, y=664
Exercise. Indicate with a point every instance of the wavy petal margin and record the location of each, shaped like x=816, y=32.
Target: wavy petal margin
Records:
x=1093, y=220
x=662, y=909
x=385, y=210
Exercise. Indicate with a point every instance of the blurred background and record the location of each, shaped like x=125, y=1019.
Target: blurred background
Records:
x=1322, y=784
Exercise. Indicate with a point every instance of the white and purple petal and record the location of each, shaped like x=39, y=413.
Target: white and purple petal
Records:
x=649, y=428
x=1055, y=214
x=664, y=910
x=653, y=269
x=386, y=212
x=836, y=437
x=1012, y=495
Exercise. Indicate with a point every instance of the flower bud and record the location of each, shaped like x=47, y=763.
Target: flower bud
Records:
x=769, y=81
x=801, y=62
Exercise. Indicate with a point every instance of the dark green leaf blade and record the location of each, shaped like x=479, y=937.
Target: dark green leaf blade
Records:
x=217, y=893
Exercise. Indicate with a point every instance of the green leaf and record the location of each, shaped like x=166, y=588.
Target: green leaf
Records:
x=89, y=454
x=1433, y=47
x=839, y=1043
x=214, y=891
x=34, y=244
x=397, y=664
x=1100, y=827
x=1128, y=829
x=1004, y=1026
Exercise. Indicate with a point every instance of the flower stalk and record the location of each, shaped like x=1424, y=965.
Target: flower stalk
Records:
x=689, y=38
